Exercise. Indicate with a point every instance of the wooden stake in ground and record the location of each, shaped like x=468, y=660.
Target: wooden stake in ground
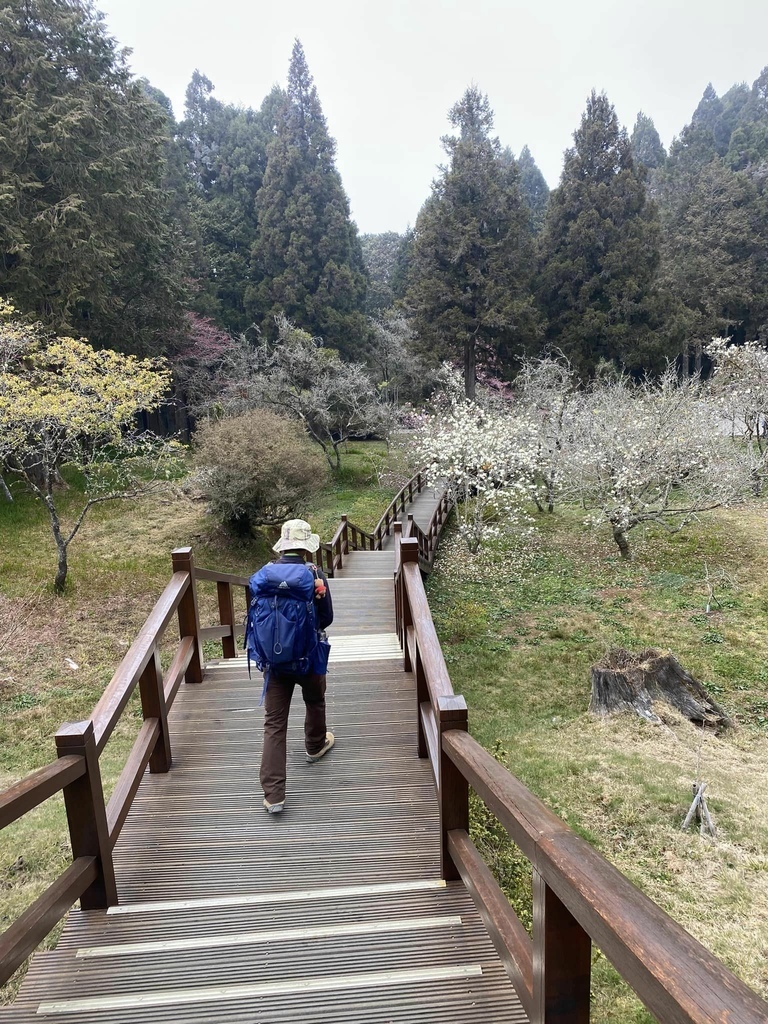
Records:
x=624, y=681
x=700, y=810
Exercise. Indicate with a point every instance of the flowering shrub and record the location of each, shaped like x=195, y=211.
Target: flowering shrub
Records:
x=484, y=458
x=64, y=403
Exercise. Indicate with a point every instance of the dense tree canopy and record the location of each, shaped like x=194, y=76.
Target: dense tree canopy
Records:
x=85, y=241
x=714, y=206
x=154, y=236
x=472, y=253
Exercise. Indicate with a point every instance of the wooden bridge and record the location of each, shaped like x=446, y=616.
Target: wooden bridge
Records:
x=366, y=900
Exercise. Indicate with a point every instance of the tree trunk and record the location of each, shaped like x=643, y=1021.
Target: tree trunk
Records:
x=61, y=569
x=623, y=681
x=621, y=539
x=4, y=488
x=470, y=367
x=61, y=544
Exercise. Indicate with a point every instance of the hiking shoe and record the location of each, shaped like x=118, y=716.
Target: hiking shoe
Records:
x=329, y=741
x=273, y=808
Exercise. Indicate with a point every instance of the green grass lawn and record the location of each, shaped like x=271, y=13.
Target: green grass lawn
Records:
x=57, y=653
x=520, y=630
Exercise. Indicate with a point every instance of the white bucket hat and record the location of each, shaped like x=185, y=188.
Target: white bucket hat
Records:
x=297, y=534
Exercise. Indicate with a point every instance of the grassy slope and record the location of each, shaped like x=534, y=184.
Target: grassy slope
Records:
x=119, y=565
x=520, y=634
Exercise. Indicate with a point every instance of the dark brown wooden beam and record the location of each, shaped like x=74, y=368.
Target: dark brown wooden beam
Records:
x=27, y=793
x=509, y=937
x=189, y=615
x=29, y=930
x=562, y=960
x=226, y=601
x=177, y=668
x=118, y=691
x=130, y=778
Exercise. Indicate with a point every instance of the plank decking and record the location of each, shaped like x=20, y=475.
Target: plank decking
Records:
x=333, y=911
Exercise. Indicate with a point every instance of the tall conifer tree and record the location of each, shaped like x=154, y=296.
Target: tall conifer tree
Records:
x=472, y=251
x=534, y=188
x=306, y=259
x=600, y=252
x=227, y=147
x=647, y=148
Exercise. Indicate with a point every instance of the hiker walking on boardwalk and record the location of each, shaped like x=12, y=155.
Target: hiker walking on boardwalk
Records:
x=290, y=606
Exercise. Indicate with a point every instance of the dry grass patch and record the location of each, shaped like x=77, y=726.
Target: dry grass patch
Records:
x=520, y=632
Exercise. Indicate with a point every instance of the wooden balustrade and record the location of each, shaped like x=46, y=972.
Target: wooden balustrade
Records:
x=93, y=826
x=395, y=508
x=578, y=896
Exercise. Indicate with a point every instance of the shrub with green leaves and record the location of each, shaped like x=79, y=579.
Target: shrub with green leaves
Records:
x=257, y=469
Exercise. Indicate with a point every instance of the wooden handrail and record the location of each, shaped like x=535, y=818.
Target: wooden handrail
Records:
x=119, y=689
x=676, y=977
x=93, y=827
x=578, y=896
x=20, y=798
x=383, y=527
x=29, y=930
x=130, y=778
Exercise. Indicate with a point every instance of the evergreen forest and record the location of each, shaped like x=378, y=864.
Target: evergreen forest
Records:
x=155, y=236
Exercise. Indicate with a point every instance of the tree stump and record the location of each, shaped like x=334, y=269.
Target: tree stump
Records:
x=623, y=681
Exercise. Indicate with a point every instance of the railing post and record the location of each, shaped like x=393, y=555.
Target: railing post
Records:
x=189, y=616
x=153, y=706
x=343, y=540
x=87, y=814
x=398, y=596
x=418, y=482
x=227, y=617
x=453, y=788
x=409, y=552
x=562, y=958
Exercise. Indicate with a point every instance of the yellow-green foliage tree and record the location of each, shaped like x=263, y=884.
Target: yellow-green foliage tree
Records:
x=62, y=403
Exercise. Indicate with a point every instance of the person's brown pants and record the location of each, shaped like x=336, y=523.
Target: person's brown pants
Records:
x=277, y=705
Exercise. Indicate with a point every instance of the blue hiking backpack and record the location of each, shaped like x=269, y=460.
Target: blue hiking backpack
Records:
x=281, y=626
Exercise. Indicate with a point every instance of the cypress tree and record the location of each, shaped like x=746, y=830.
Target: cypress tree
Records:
x=306, y=258
x=600, y=252
x=472, y=251
x=647, y=148
x=534, y=189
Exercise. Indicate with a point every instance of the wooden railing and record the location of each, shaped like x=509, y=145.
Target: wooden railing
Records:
x=578, y=896
x=428, y=539
x=348, y=537
x=397, y=507
x=95, y=825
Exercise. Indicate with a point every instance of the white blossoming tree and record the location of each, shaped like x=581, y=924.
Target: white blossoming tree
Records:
x=485, y=459
x=651, y=452
x=739, y=385
x=550, y=399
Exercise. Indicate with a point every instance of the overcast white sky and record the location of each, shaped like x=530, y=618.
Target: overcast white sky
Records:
x=387, y=72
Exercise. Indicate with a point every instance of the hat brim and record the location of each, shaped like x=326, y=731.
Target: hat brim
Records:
x=311, y=545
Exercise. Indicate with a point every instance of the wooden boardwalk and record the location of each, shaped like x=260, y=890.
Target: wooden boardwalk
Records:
x=333, y=911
